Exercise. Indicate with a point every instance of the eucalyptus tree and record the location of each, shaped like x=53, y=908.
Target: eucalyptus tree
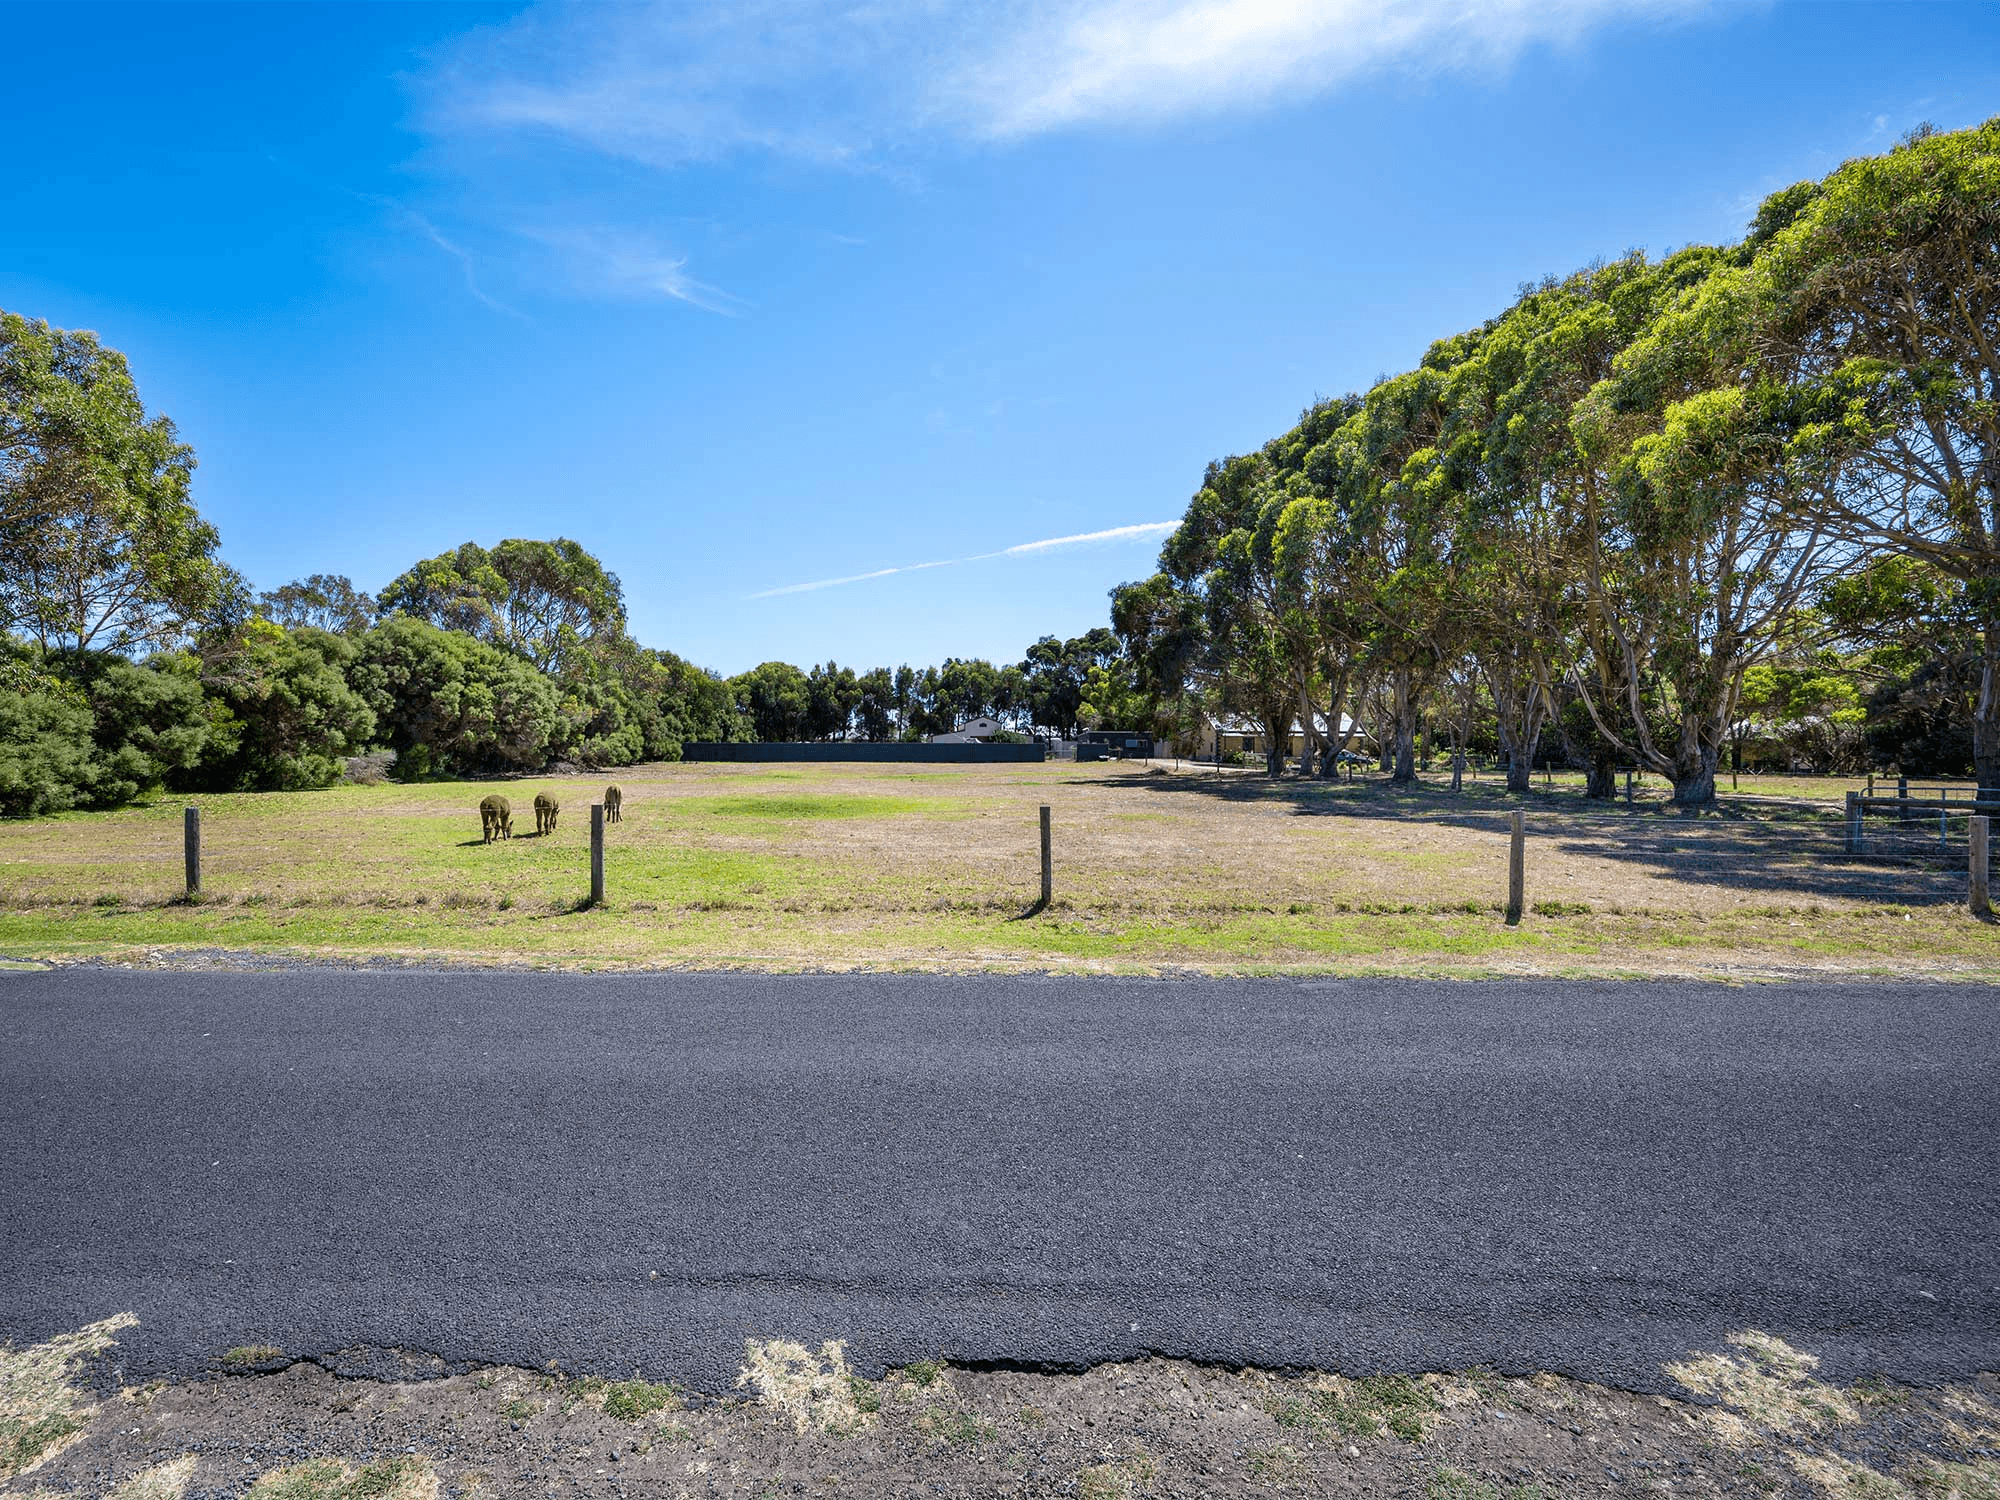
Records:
x=1711, y=540
x=545, y=600
x=448, y=703
x=875, y=709
x=1159, y=631
x=1531, y=499
x=1212, y=557
x=1400, y=495
x=1308, y=548
x=906, y=694
x=1914, y=638
x=101, y=546
x=1314, y=556
x=833, y=693
x=774, y=699
x=1266, y=551
x=966, y=688
x=1879, y=288
x=1048, y=683
x=282, y=709
x=1510, y=449
x=323, y=601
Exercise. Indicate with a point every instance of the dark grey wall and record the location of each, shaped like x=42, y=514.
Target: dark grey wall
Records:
x=848, y=750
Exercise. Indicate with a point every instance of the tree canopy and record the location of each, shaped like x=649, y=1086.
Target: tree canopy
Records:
x=1631, y=493
x=547, y=601
x=101, y=547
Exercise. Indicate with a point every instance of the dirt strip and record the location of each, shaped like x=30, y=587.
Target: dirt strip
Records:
x=801, y=1423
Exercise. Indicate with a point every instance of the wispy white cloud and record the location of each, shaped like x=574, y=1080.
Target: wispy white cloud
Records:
x=565, y=95
x=841, y=81
x=1138, y=61
x=621, y=263
x=467, y=267
x=1142, y=531
x=407, y=218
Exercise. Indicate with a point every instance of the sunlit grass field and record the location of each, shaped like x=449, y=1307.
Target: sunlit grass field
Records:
x=1155, y=867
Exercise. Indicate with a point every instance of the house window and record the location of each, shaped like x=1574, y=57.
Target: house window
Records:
x=1249, y=742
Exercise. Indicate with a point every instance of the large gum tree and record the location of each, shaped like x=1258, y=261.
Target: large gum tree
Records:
x=1712, y=539
x=1879, y=288
x=101, y=547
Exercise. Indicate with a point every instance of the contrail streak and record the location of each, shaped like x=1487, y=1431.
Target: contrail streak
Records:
x=1020, y=549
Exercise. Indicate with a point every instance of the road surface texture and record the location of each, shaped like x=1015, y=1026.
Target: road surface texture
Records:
x=636, y=1172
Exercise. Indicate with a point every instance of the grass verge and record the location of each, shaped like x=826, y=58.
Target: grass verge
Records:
x=836, y=866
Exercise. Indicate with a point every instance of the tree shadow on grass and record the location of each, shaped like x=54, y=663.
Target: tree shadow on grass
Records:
x=1787, y=851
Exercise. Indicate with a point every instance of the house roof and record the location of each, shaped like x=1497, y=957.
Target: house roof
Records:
x=984, y=726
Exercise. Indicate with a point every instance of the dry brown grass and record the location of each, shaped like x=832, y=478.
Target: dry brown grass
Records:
x=933, y=864
x=817, y=1391
x=41, y=1409
x=1766, y=1389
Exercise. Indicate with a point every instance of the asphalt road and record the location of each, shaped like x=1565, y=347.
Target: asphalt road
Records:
x=636, y=1172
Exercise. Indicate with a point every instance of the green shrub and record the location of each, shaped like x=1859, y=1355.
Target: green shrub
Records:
x=48, y=761
x=285, y=717
x=469, y=706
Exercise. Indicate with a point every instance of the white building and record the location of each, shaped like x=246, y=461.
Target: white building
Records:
x=972, y=732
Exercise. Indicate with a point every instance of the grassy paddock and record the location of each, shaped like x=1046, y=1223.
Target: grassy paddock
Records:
x=1155, y=867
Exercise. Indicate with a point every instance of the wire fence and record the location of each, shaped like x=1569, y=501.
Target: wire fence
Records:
x=1914, y=849
x=1918, y=859
x=1935, y=837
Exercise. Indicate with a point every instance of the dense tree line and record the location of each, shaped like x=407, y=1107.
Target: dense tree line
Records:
x=1738, y=499
x=133, y=658
x=1047, y=693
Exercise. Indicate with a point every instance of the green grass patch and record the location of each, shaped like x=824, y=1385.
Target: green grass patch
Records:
x=1367, y=1407
x=629, y=1400
x=248, y=1356
x=1281, y=1465
x=793, y=809
x=328, y=1479
x=1447, y=1483
x=956, y=1425
x=21, y=1443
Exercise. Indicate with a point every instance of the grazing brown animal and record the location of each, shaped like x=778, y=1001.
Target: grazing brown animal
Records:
x=614, y=800
x=496, y=818
x=546, y=808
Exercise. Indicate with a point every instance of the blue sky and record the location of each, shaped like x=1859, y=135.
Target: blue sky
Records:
x=757, y=295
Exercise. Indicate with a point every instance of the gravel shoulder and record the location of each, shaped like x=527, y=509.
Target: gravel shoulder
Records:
x=801, y=1423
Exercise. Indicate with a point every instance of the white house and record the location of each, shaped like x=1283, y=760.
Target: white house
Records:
x=972, y=732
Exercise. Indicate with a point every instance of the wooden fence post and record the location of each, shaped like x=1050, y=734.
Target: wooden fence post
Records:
x=1628, y=786
x=1048, y=862
x=1517, y=869
x=1854, y=822
x=191, y=848
x=597, y=854
x=1975, y=868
